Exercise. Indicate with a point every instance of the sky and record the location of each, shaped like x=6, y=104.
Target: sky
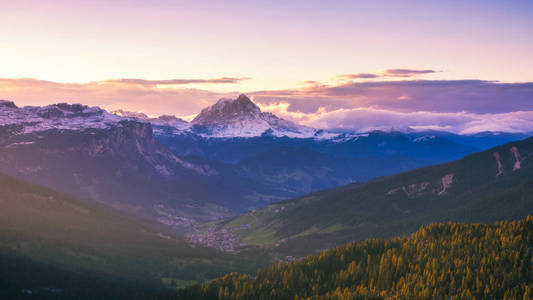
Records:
x=464, y=66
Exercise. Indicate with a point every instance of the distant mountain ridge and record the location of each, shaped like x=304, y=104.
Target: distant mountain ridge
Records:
x=242, y=118
x=56, y=116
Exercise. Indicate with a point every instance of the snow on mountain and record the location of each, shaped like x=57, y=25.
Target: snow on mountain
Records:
x=55, y=116
x=424, y=138
x=130, y=114
x=227, y=118
x=164, y=120
x=243, y=118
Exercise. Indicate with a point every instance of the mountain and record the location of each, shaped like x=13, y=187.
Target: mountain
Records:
x=241, y=117
x=59, y=116
x=488, y=186
x=57, y=246
x=439, y=261
x=95, y=155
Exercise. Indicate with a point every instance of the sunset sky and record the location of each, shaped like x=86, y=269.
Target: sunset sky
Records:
x=464, y=66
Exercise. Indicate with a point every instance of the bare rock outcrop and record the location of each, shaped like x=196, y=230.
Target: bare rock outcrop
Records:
x=498, y=163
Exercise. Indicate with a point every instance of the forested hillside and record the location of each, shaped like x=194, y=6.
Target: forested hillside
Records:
x=54, y=245
x=439, y=261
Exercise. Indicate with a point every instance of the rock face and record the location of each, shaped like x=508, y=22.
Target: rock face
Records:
x=241, y=117
x=227, y=111
x=446, y=182
x=439, y=187
x=516, y=154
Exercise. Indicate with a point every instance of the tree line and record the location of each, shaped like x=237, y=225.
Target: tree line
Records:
x=439, y=261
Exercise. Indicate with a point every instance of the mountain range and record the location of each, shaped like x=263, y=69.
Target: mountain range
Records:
x=160, y=167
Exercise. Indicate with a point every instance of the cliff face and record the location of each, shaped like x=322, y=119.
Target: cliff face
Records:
x=122, y=165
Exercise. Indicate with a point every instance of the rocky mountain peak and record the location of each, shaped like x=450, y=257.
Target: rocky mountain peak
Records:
x=241, y=117
x=6, y=103
x=228, y=110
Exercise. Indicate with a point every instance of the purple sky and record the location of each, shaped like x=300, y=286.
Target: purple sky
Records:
x=322, y=63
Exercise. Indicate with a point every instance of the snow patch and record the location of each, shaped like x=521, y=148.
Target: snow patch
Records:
x=19, y=143
x=424, y=138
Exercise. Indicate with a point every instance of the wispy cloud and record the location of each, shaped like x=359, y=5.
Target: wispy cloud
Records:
x=136, y=81
x=402, y=73
x=405, y=72
x=358, y=76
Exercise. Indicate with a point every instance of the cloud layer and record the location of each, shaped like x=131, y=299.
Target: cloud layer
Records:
x=368, y=119
x=461, y=106
x=407, y=96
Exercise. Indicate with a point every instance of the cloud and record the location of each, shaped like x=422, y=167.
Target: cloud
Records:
x=405, y=72
x=135, y=81
x=358, y=76
x=368, y=119
x=461, y=106
x=475, y=96
x=134, y=97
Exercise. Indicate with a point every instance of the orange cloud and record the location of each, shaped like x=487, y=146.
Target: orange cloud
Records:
x=136, y=81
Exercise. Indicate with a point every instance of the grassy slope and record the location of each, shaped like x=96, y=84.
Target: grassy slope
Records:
x=307, y=224
x=90, y=244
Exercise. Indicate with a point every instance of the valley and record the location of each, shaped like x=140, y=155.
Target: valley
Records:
x=484, y=187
